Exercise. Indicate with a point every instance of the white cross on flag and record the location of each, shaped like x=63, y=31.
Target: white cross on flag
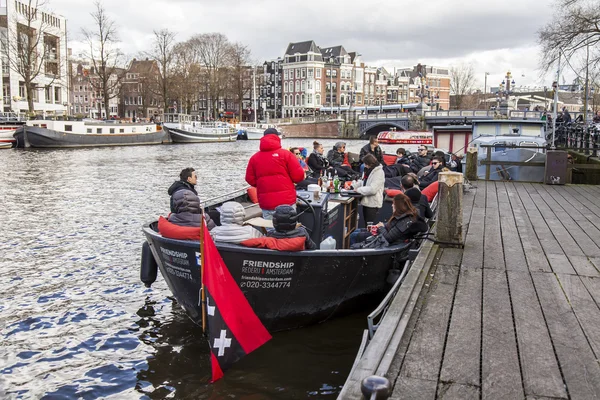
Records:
x=234, y=330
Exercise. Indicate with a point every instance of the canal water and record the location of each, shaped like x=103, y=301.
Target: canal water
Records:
x=75, y=321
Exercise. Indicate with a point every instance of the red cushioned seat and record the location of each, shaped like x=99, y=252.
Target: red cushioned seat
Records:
x=431, y=190
x=174, y=231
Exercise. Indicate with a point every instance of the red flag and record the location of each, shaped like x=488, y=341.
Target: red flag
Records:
x=233, y=328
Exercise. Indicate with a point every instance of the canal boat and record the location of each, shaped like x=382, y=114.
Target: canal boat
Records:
x=9, y=123
x=503, y=133
x=405, y=137
x=252, y=131
x=288, y=290
x=90, y=133
x=184, y=128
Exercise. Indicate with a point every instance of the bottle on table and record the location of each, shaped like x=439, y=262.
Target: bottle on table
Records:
x=336, y=183
x=320, y=181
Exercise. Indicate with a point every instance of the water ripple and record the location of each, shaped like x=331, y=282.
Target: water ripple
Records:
x=77, y=323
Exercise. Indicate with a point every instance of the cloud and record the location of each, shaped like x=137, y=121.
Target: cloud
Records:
x=494, y=36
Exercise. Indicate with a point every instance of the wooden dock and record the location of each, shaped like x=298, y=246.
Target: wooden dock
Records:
x=513, y=315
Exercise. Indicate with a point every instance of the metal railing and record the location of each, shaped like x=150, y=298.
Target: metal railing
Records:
x=366, y=117
x=578, y=137
x=301, y=120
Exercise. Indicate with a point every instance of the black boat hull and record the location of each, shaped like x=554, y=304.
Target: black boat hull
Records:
x=48, y=138
x=287, y=290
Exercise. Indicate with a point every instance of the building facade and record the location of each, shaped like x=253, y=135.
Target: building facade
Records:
x=139, y=91
x=270, y=91
x=20, y=24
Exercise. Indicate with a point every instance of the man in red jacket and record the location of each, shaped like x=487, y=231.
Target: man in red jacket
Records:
x=274, y=171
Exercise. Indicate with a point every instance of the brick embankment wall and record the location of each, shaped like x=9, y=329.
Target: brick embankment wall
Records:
x=330, y=129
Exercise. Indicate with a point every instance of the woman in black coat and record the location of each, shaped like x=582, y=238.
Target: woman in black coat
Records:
x=404, y=224
x=316, y=162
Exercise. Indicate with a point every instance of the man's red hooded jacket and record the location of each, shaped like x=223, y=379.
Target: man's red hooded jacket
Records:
x=273, y=171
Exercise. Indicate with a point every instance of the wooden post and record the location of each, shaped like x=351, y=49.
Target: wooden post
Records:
x=471, y=168
x=488, y=158
x=449, y=226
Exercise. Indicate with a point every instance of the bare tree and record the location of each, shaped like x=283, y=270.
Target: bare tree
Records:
x=462, y=81
x=239, y=59
x=31, y=47
x=575, y=25
x=213, y=51
x=105, y=55
x=187, y=75
x=163, y=51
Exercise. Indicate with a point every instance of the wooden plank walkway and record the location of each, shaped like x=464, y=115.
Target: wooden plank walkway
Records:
x=516, y=313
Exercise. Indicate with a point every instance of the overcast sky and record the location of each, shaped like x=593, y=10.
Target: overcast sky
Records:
x=494, y=36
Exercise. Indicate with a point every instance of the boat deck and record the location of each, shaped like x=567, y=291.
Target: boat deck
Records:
x=515, y=314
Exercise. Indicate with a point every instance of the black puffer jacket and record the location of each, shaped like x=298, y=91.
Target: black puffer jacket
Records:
x=335, y=158
x=298, y=232
x=179, y=185
x=187, y=209
x=419, y=201
x=419, y=163
x=367, y=150
x=402, y=228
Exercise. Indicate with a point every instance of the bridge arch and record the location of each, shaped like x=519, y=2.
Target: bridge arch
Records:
x=374, y=128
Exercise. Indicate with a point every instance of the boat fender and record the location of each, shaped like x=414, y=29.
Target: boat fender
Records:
x=393, y=275
x=149, y=268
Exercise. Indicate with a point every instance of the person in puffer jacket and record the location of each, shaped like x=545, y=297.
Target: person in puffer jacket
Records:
x=185, y=203
x=232, y=228
x=273, y=171
x=284, y=222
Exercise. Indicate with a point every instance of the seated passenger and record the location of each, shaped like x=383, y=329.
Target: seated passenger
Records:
x=336, y=158
x=316, y=162
x=298, y=154
x=418, y=199
x=432, y=175
x=403, y=225
x=284, y=222
x=185, y=203
x=232, y=228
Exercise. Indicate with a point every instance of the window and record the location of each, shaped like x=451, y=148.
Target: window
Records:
x=318, y=86
x=303, y=72
x=297, y=100
x=112, y=130
x=303, y=86
x=297, y=72
x=68, y=128
x=297, y=86
x=334, y=72
x=303, y=100
x=318, y=73
x=98, y=130
x=121, y=130
x=140, y=100
x=311, y=73
x=22, y=91
x=310, y=98
x=89, y=130
x=285, y=74
x=285, y=87
x=318, y=99
x=309, y=85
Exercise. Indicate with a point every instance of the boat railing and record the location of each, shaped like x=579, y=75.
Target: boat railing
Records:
x=225, y=196
x=379, y=312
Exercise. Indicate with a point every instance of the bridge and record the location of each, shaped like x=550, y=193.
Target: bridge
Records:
x=372, y=124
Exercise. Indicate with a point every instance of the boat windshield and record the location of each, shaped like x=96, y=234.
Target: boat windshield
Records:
x=509, y=129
